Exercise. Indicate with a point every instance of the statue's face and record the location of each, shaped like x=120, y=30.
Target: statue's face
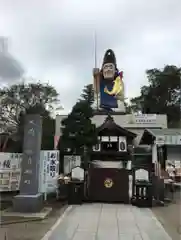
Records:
x=108, y=70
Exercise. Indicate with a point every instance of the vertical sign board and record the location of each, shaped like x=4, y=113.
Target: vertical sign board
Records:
x=49, y=171
x=31, y=155
x=42, y=172
x=52, y=170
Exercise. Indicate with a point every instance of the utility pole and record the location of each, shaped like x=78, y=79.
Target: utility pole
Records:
x=95, y=65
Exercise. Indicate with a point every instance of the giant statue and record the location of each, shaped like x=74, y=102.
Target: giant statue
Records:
x=108, y=84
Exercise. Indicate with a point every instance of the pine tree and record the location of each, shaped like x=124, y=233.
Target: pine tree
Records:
x=78, y=132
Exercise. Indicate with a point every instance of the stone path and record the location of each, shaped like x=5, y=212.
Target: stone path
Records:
x=109, y=222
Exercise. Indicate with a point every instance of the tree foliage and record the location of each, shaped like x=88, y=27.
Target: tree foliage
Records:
x=88, y=94
x=162, y=95
x=21, y=99
x=78, y=132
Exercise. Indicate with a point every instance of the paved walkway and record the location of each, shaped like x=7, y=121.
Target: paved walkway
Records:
x=109, y=222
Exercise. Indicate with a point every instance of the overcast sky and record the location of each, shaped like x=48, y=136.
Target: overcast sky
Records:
x=54, y=39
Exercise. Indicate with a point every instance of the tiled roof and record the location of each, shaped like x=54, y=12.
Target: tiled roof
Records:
x=165, y=132
x=110, y=124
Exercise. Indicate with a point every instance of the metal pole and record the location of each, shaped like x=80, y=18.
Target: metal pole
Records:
x=95, y=49
x=95, y=64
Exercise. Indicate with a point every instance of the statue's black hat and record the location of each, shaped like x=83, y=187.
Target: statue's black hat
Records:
x=109, y=57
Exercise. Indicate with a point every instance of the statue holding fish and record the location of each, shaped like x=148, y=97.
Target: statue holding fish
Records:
x=108, y=84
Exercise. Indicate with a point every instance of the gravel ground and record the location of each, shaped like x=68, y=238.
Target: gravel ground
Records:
x=34, y=230
x=170, y=217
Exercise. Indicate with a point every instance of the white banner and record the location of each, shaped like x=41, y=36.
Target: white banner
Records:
x=49, y=171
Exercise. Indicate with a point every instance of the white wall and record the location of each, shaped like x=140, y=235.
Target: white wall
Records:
x=128, y=121
x=125, y=121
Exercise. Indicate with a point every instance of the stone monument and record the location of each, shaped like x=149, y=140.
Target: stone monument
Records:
x=29, y=199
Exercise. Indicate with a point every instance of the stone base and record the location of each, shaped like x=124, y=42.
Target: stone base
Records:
x=12, y=216
x=28, y=203
x=121, y=107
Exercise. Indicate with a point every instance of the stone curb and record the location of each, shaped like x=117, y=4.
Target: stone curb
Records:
x=21, y=221
x=30, y=219
x=59, y=220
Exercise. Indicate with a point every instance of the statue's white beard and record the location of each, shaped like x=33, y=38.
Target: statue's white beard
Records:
x=108, y=74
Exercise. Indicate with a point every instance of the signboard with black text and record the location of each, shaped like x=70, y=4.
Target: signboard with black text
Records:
x=10, y=171
x=49, y=171
x=144, y=118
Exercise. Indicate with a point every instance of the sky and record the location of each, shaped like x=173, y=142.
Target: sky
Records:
x=53, y=40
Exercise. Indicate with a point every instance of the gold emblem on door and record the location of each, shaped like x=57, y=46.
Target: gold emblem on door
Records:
x=108, y=183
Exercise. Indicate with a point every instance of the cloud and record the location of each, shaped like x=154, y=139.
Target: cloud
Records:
x=54, y=40
x=10, y=69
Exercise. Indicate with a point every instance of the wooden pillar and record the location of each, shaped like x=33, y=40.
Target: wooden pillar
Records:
x=158, y=182
x=154, y=156
x=156, y=160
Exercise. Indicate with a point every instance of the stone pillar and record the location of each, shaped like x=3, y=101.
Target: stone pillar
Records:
x=121, y=107
x=29, y=199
